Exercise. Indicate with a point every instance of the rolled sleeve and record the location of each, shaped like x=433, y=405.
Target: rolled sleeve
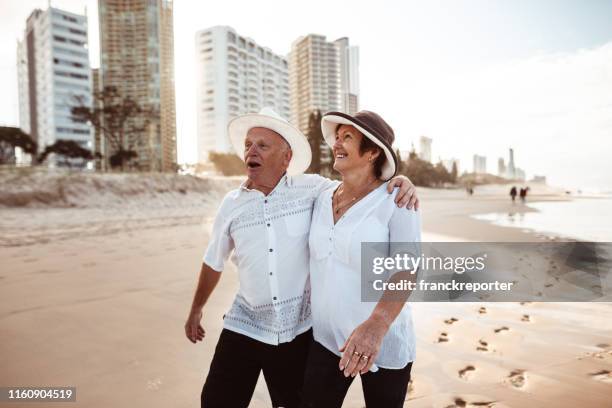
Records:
x=221, y=243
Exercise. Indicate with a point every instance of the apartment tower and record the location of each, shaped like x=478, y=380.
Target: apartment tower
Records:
x=323, y=75
x=137, y=58
x=235, y=76
x=53, y=76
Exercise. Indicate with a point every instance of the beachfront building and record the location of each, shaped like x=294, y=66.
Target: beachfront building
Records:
x=323, y=75
x=235, y=76
x=53, y=72
x=425, y=148
x=137, y=58
x=511, y=169
x=501, y=167
x=480, y=164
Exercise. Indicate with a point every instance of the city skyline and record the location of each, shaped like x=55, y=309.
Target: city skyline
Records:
x=480, y=79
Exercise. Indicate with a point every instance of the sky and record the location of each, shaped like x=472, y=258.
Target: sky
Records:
x=476, y=76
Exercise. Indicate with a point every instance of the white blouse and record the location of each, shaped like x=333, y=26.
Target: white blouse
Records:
x=335, y=271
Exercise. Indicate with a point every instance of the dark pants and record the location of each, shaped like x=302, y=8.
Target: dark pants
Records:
x=325, y=386
x=235, y=368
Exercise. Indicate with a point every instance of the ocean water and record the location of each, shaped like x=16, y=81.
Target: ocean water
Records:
x=587, y=219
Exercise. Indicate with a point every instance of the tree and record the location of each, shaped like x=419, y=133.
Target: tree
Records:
x=420, y=172
x=68, y=150
x=227, y=163
x=120, y=120
x=454, y=172
x=441, y=174
x=315, y=139
x=12, y=137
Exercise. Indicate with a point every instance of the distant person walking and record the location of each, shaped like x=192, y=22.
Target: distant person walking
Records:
x=523, y=194
x=513, y=193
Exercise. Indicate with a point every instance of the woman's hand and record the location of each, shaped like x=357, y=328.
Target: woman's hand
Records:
x=362, y=347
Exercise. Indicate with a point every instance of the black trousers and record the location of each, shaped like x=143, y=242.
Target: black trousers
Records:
x=325, y=386
x=236, y=365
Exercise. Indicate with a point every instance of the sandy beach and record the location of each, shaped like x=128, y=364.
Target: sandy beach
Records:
x=95, y=292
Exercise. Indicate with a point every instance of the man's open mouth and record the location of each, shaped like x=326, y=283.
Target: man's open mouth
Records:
x=253, y=165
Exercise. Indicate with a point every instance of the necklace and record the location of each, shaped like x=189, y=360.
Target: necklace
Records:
x=337, y=206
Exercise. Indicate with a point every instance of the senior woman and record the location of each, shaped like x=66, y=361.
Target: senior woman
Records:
x=374, y=339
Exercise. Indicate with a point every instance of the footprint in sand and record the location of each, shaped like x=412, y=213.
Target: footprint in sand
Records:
x=461, y=403
x=443, y=337
x=500, y=329
x=517, y=378
x=526, y=318
x=602, y=375
x=154, y=384
x=451, y=320
x=483, y=345
x=465, y=372
x=482, y=310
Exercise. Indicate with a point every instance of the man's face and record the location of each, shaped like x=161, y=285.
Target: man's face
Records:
x=266, y=155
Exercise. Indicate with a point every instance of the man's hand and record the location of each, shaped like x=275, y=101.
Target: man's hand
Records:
x=362, y=347
x=406, y=193
x=193, y=328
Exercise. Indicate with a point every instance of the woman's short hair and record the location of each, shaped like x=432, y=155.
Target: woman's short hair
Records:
x=367, y=144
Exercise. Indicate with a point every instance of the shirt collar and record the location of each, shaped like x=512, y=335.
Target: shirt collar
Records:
x=285, y=179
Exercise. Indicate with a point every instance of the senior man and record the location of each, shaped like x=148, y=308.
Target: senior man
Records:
x=265, y=222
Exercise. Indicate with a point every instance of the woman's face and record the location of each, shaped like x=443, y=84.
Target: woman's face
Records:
x=346, y=150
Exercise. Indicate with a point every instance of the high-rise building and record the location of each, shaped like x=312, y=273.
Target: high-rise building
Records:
x=425, y=148
x=349, y=75
x=54, y=76
x=323, y=75
x=501, y=167
x=511, y=169
x=137, y=58
x=480, y=164
x=235, y=76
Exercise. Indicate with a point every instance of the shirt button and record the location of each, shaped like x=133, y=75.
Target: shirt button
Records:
x=274, y=298
x=270, y=249
x=266, y=201
x=268, y=224
x=270, y=273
